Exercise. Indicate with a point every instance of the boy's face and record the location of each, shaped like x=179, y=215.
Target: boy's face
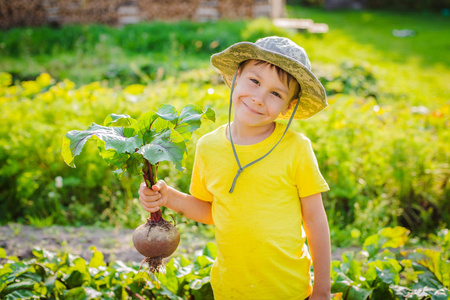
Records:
x=260, y=95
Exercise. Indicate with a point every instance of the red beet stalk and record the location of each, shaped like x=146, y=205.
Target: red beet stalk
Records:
x=149, y=173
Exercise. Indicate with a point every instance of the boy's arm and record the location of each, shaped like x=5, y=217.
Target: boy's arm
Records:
x=318, y=235
x=163, y=195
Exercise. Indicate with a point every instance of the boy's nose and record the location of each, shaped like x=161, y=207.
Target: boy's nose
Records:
x=258, y=98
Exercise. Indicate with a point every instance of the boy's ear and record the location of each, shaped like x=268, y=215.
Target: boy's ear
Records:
x=238, y=73
x=291, y=104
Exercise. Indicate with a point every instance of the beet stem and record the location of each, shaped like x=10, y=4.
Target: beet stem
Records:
x=149, y=174
x=156, y=216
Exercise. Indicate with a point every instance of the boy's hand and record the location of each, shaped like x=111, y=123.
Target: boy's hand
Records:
x=152, y=199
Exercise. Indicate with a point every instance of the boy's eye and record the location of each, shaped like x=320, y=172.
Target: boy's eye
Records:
x=254, y=81
x=276, y=94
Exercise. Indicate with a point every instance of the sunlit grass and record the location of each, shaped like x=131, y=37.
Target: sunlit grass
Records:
x=418, y=65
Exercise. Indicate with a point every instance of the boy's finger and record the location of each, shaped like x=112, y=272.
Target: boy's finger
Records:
x=144, y=190
x=158, y=186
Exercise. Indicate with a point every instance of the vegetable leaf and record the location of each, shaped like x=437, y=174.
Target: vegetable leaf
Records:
x=132, y=146
x=119, y=120
x=113, y=137
x=190, y=120
x=167, y=146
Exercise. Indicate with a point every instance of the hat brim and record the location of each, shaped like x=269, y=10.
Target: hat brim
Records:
x=312, y=96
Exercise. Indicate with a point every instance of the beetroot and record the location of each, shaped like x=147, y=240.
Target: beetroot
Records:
x=156, y=240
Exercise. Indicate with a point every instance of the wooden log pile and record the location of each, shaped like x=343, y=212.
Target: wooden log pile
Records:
x=168, y=10
x=21, y=13
x=88, y=11
x=14, y=13
x=231, y=9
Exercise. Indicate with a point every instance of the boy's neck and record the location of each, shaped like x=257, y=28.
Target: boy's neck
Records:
x=247, y=135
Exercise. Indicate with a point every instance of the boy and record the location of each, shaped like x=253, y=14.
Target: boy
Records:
x=258, y=182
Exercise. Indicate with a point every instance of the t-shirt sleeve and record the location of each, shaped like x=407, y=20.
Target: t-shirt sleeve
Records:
x=198, y=183
x=309, y=179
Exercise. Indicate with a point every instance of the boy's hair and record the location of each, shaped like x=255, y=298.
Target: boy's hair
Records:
x=284, y=76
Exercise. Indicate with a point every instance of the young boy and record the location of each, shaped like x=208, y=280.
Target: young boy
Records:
x=259, y=182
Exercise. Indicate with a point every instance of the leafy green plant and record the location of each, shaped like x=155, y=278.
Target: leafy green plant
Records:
x=384, y=270
x=65, y=276
x=137, y=147
x=352, y=79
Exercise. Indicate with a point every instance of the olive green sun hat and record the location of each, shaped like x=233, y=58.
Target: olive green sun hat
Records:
x=283, y=53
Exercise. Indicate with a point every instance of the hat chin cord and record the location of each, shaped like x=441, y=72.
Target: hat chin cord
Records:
x=240, y=169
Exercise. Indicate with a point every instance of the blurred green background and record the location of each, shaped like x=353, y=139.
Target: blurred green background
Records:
x=382, y=144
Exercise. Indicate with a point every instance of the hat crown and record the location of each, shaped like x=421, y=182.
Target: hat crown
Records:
x=285, y=47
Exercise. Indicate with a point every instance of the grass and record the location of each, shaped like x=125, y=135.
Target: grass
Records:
x=418, y=66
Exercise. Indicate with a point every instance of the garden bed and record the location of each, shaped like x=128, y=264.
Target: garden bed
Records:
x=115, y=244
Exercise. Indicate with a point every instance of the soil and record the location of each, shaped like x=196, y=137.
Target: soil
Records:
x=19, y=240
x=115, y=244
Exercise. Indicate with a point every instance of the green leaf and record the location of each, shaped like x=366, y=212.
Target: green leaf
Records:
x=210, y=250
x=40, y=270
x=372, y=244
x=400, y=292
x=167, y=112
x=91, y=293
x=23, y=284
x=434, y=263
x=382, y=291
x=389, y=237
x=134, y=164
x=424, y=293
x=340, y=284
x=396, y=236
x=96, y=259
x=2, y=253
x=21, y=294
x=144, y=124
x=386, y=271
x=152, y=123
x=5, y=79
x=197, y=284
x=111, y=156
x=113, y=137
x=17, y=270
x=358, y=293
x=350, y=266
x=120, y=267
x=169, y=280
x=119, y=120
x=75, y=293
x=75, y=279
x=190, y=120
x=50, y=283
x=202, y=262
x=425, y=277
x=204, y=293
x=167, y=146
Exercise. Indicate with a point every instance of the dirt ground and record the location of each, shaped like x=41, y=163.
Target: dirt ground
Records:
x=19, y=240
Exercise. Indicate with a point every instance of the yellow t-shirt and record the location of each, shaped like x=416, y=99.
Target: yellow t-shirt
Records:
x=261, y=251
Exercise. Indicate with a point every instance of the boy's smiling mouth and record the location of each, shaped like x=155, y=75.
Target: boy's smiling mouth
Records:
x=251, y=109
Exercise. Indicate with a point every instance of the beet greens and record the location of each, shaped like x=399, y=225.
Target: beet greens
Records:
x=137, y=147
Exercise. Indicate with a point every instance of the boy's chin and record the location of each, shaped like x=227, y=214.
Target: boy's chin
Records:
x=256, y=124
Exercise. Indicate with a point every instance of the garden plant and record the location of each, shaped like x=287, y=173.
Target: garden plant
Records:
x=382, y=269
x=138, y=147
